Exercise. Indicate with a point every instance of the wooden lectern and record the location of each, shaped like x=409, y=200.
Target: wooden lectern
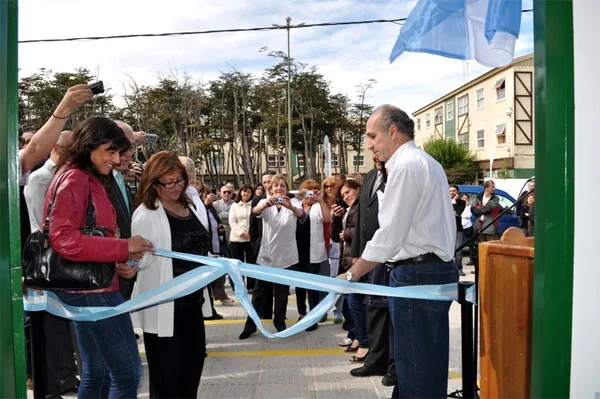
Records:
x=505, y=303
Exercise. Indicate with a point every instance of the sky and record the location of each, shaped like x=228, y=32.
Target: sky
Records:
x=346, y=55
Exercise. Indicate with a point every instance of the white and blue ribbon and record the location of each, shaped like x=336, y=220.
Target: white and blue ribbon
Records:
x=216, y=267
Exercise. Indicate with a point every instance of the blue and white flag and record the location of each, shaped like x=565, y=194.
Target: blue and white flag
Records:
x=483, y=30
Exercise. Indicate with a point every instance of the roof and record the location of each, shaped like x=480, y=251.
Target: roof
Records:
x=473, y=82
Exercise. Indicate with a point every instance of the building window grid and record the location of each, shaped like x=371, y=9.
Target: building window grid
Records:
x=418, y=123
x=480, y=98
x=300, y=161
x=463, y=104
x=438, y=115
x=358, y=160
x=335, y=163
x=450, y=111
x=481, y=139
x=272, y=161
x=428, y=119
x=463, y=141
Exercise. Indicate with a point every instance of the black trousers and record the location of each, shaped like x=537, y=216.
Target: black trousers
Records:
x=379, y=327
x=301, y=293
x=262, y=294
x=175, y=363
x=244, y=252
x=61, y=371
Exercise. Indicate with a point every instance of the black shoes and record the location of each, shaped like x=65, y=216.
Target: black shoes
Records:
x=313, y=327
x=388, y=380
x=365, y=372
x=246, y=334
x=279, y=327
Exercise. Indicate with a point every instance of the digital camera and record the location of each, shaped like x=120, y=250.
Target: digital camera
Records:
x=96, y=87
x=279, y=200
x=309, y=193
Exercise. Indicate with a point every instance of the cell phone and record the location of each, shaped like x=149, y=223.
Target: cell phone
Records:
x=150, y=137
x=340, y=202
x=279, y=200
x=96, y=87
x=213, y=190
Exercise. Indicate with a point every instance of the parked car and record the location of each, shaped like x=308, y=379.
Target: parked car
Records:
x=506, y=201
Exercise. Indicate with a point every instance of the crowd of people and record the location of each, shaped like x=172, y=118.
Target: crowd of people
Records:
x=355, y=227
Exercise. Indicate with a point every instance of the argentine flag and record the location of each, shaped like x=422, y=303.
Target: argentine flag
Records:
x=483, y=30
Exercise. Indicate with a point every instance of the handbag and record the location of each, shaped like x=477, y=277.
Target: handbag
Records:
x=45, y=269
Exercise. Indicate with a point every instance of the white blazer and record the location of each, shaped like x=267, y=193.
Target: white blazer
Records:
x=157, y=270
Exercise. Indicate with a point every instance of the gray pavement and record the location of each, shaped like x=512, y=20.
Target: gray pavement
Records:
x=307, y=365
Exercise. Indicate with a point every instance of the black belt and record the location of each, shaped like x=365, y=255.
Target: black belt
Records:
x=428, y=257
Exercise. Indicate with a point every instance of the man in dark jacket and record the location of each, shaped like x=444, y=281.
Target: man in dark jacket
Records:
x=123, y=202
x=380, y=360
x=459, y=206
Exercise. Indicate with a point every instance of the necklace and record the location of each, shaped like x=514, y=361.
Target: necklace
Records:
x=176, y=209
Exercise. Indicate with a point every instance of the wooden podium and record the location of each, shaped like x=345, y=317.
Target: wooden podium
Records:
x=505, y=303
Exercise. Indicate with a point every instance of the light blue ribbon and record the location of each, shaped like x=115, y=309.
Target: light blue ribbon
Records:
x=216, y=267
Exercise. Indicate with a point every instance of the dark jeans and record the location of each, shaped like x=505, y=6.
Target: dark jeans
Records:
x=358, y=310
x=244, y=252
x=301, y=293
x=421, y=331
x=110, y=358
x=261, y=296
x=175, y=363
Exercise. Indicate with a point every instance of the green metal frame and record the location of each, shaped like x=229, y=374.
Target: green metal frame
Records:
x=12, y=353
x=554, y=150
x=553, y=287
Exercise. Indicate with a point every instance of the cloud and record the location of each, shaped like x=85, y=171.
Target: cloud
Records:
x=345, y=55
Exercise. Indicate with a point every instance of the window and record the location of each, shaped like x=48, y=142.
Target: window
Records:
x=438, y=115
x=428, y=119
x=358, y=160
x=501, y=133
x=480, y=139
x=272, y=161
x=418, y=123
x=463, y=141
x=334, y=160
x=300, y=160
x=500, y=88
x=480, y=98
x=463, y=104
x=450, y=110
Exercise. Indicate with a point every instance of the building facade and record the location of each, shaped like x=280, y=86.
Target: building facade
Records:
x=490, y=116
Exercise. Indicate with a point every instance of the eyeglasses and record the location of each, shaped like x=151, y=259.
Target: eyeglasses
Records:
x=327, y=186
x=179, y=182
x=226, y=192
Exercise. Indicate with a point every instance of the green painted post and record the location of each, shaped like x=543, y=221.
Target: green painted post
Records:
x=12, y=361
x=554, y=150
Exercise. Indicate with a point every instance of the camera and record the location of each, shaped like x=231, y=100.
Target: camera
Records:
x=96, y=87
x=149, y=137
x=279, y=200
x=309, y=193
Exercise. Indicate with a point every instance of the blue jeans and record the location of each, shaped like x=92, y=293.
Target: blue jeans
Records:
x=111, y=365
x=421, y=331
x=358, y=310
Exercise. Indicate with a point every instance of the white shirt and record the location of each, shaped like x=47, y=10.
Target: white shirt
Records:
x=157, y=270
x=239, y=218
x=465, y=217
x=318, y=251
x=415, y=216
x=35, y=193
x=278, y=246
x=23, y=177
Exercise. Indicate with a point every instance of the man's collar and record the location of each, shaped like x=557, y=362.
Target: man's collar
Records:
x=389, y=164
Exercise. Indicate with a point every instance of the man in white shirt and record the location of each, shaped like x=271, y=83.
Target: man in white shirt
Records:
x=35, y=190
x=416, y=237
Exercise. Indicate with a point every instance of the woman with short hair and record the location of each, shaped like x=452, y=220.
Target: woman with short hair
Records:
x=278, y=248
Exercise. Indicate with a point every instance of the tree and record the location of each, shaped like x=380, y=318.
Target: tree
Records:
x=361, y=111
x=458, y=164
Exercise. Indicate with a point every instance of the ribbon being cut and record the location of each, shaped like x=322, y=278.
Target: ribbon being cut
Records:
x=215, y=268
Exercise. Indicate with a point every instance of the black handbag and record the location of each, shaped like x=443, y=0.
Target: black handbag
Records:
x=44, y=269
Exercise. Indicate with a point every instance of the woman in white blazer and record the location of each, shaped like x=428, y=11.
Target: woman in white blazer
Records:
x=174, y=335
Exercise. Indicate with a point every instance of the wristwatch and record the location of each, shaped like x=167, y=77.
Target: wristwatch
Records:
x=348, y=275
